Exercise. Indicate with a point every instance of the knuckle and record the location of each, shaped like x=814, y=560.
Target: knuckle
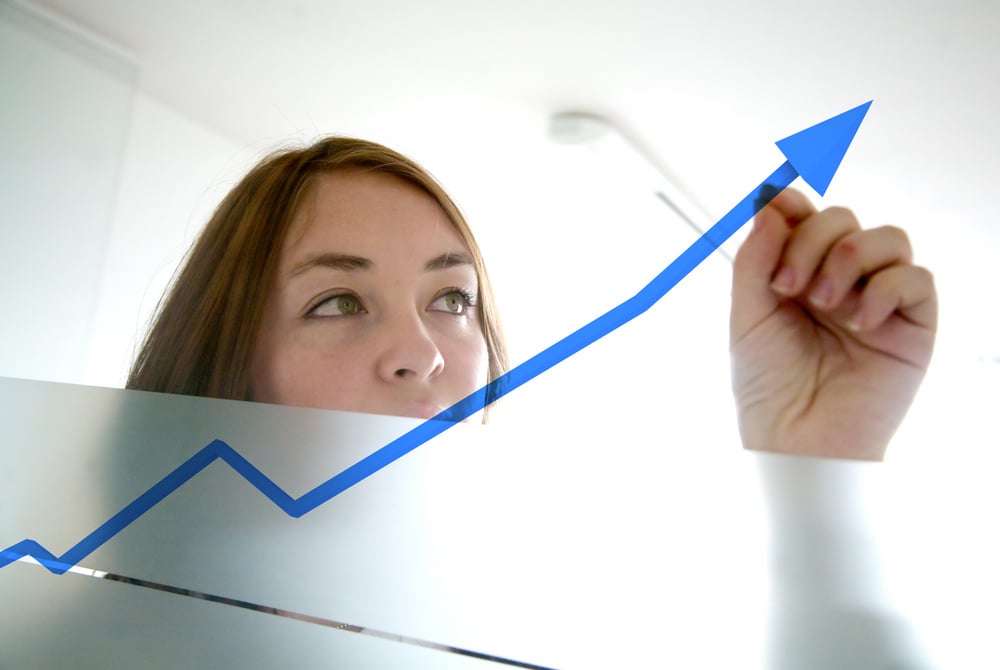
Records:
x=901, y=241
x=844, y=216
x=926, y=276
x=846, y=252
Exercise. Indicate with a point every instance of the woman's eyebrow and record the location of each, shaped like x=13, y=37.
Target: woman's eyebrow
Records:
x=448, y=260
x=333, y=261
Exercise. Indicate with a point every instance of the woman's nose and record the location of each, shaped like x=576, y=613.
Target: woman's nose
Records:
x=409, y=352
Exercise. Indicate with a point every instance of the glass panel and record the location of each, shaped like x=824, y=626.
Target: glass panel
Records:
x=574, y=544
x=481, y=539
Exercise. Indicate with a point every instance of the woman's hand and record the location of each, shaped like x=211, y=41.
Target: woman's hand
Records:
x=831, y=331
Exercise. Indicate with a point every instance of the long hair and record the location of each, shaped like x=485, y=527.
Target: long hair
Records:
x=205, y=330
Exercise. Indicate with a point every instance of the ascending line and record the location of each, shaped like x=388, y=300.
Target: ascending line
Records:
x=526, y=371
x=814, y=154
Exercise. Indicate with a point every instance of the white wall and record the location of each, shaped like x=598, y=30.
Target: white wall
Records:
x=101, y=190
x=174, y=173
x=64, y=105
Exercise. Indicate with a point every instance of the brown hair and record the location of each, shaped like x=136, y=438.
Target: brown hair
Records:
x=203, y=337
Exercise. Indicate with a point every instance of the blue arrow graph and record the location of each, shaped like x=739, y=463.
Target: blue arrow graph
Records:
x=813, y=154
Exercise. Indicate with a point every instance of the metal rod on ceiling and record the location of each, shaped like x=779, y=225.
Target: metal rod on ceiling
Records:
x=606, y=138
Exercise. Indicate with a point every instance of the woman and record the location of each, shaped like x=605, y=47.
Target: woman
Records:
x=342, y=276
x=300, y=279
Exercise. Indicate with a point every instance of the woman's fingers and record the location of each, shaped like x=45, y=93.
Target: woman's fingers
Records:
x=758, y=259
x=759, y=256
x=830, y=265
x=860, y=278
x=793, y=205
x=852, y=259
x=808, y=247
x=907, y=289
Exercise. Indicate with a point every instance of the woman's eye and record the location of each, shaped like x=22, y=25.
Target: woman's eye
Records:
x=338, y=305
x=453, y=302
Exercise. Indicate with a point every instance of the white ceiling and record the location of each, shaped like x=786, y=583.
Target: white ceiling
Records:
x=705, y=87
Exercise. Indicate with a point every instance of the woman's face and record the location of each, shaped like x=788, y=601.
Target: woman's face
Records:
x=373, y=306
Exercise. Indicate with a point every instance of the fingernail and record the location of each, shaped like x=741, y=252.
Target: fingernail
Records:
x=856, y=321
x=784, y=281
x=822, y=294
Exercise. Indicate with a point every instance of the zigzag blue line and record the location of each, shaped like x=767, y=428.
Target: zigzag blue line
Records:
x=558, y=352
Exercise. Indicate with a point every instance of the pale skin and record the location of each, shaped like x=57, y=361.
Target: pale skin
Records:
x=373, y=311
x=373, y=307
x=828, y=363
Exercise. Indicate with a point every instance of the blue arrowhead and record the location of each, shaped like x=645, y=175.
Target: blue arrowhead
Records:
x=816, y=152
